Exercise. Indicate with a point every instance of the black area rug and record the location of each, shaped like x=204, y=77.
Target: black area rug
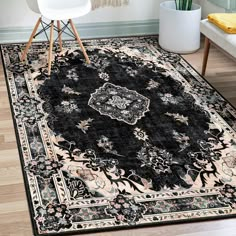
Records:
x=135, y=138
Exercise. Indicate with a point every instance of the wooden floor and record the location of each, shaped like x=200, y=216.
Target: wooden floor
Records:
x=14, y=216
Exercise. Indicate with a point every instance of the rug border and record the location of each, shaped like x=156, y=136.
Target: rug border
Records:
x=119, y=228
x=26, y=184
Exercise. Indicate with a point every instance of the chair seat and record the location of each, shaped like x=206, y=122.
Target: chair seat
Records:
x=225, y=41
x=62, y=11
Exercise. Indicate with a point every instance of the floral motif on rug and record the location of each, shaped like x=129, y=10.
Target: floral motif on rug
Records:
x=135, y=138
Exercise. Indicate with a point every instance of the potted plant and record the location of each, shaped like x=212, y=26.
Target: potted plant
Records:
x=184, y=5
x=179, y=29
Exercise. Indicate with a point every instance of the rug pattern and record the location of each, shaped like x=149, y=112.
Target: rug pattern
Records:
x=135, y=138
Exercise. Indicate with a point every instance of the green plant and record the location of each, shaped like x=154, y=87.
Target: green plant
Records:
x=184, y=5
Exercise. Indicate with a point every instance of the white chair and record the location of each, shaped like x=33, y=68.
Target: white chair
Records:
x=58, y=10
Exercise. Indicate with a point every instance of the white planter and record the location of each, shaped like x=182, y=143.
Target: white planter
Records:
x=179, y=31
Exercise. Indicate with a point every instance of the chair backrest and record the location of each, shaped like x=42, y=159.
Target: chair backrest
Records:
x=53, y=9
x=33, y=5
x=60, y=4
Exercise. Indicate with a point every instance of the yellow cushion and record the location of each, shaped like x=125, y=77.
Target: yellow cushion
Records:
x=225, y=21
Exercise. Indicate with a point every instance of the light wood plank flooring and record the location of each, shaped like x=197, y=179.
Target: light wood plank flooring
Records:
x=14, y=216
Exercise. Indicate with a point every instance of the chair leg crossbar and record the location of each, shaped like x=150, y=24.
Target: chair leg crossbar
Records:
x=45, y=26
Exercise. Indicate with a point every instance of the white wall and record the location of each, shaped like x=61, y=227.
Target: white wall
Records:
x=140, y=17
x=208, y=7
x=15, y=13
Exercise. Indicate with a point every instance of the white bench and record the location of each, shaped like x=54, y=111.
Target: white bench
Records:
x=214, y=34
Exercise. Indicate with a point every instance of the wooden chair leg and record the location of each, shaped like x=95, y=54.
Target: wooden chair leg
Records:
x=30, y=39
x=59, y=34
x=79, y=41
x=50, y=48
x=206, y=53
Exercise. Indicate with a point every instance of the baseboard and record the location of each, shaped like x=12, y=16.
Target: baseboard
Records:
x=88, y=30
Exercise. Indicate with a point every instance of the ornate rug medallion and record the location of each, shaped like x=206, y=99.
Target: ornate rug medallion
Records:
x=119, y=103
x=135, y=138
